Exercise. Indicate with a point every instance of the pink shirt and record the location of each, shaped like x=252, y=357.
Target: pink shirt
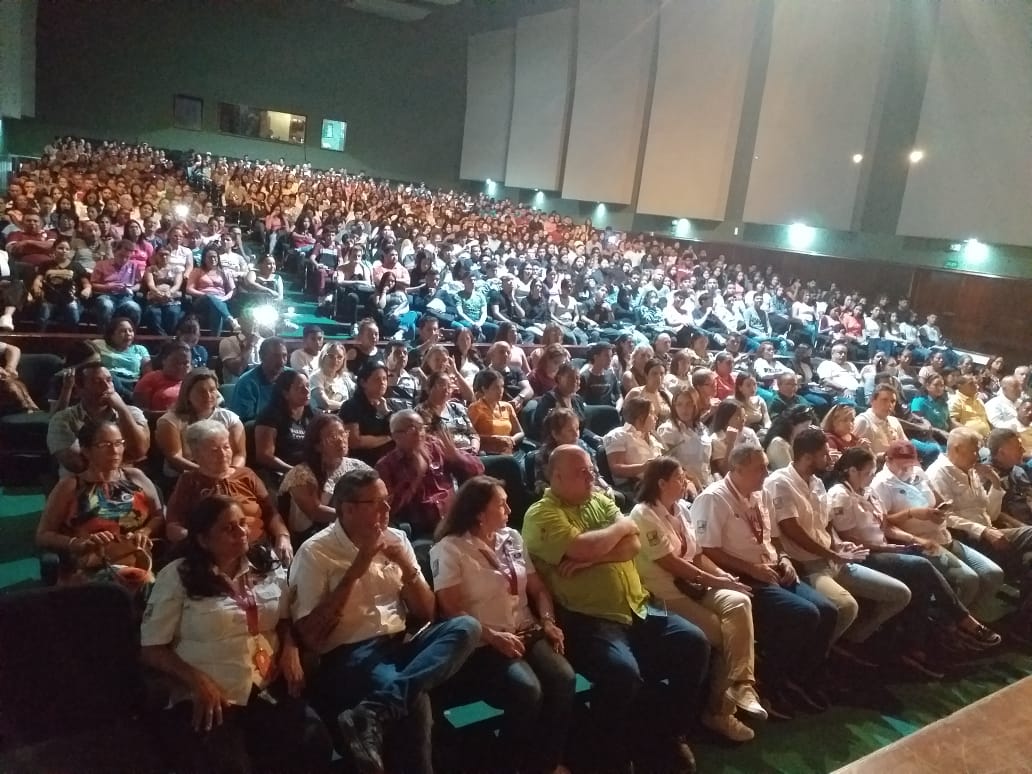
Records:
x=106, y=272
x=212, y=283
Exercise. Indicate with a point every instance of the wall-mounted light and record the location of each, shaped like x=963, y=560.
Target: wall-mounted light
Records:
x=801, y=236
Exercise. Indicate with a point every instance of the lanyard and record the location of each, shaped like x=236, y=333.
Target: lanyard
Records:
x=752, y=515
x=246, y=601
x=508, y=569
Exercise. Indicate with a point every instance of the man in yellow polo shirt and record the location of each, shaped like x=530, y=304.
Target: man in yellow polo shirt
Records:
x=584, y=549
x=967, y=409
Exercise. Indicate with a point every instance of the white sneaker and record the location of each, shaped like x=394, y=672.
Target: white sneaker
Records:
x=746, y=699
x=729, y=727
x=6, y=322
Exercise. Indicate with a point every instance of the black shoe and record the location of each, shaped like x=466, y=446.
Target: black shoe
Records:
x=807, y=697
x=363, y=738
x=778, y=705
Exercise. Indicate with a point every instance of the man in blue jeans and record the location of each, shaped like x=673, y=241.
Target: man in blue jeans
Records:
x=794, y=623
x=584, y=549
x=353, y=586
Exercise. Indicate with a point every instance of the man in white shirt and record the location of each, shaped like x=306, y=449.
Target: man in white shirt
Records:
x=877, y=425
x=975, y=494
x=354, y=585
x=800, y=511
x=838, y=374
x=306, y=357
x=1003, y=409
x=793, y=622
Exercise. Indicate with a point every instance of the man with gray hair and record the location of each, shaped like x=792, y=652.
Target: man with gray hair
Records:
x=975, y=494
x=1002, y=409
x=421, y=472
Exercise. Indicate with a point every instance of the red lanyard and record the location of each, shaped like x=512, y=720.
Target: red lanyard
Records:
x=508, y=569
x=752, y=515
x=246, y=601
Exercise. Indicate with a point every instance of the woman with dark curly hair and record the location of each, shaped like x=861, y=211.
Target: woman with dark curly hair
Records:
x=217, y=623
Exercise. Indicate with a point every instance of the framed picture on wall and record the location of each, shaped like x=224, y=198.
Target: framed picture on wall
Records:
x=187, y=112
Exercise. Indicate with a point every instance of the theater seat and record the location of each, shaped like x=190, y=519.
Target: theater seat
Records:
x=23, y=436
x=601, y=419
x=72, y=694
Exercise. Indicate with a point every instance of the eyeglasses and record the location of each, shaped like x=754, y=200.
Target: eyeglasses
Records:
x=106, y=445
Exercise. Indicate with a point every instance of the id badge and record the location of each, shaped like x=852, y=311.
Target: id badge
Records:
x=262, y=662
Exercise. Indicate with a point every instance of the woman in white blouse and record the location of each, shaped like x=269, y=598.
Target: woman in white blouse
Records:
x=217, y=623
x=310, y=484
x=756, y=415
x=728, y=430
x=331, y=384
x=481, y=569
x=778, y=440
x=687, y=440
x=677, y=573
x=630, y=446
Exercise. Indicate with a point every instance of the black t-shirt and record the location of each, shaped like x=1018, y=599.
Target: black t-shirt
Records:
x=601, y=390
x=61, y=284
x=505, y=305
x=512, y=378
x=371, y=420
x=359, y=359
x=290, y=432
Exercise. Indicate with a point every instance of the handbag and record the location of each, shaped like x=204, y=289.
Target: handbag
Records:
x=690, y=589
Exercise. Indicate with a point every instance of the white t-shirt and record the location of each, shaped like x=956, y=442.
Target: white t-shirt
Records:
x=844, y=378
x=692, y=448
x=637, y=446
x=302, y=475
x=486, y=585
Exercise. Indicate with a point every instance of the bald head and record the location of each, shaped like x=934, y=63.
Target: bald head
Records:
x=1010, y=387
x=571, y=475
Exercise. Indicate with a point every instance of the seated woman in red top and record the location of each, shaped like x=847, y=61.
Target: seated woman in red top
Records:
x=723, y=365
x=158, y=390
x=838, y=429
x=542, y=378
x=211, y=288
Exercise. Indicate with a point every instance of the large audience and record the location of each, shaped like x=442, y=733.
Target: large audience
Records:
x=541, y=449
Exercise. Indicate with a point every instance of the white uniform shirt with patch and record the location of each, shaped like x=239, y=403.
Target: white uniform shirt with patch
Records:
x=662, y=533
x=806, y=501
x=459, y=560
x=721, y=518
x=210, y=634
x=896, y=495
x=375, y=607
x=857, y=512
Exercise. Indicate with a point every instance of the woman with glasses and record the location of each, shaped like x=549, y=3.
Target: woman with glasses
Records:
x=104, y=514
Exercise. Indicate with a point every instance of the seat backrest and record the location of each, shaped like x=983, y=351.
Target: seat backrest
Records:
x=601, y=419
x=36, y=371
x=602, y=463
x=69, y=661
x=527, y=418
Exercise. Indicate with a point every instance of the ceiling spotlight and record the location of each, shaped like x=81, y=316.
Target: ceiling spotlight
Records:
x=916, y=155
x=857, y=158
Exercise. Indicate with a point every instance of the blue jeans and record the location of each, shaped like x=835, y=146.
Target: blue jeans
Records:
x=842, y=584
x=536, y=693
x=974, y=577
x=622, y=661
x=393, y=677
x=928, y=589
x=65, y=314
x=106, y=307
x=214, y=311
x=162, y=319
x=794, y=625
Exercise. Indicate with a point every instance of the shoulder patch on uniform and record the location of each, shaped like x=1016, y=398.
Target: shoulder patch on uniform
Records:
x=435, y=567
x=779, y=502
x=653, y=537
x=838, y=510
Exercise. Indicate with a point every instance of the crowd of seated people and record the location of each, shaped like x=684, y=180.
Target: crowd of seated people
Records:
x=688, y=508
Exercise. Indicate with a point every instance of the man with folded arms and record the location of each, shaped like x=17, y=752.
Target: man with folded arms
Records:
x=354, y=586
x=584, y=549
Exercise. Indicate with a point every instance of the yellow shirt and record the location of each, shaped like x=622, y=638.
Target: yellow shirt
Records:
x=486, y=421
x=610, y=590
x=970, y=412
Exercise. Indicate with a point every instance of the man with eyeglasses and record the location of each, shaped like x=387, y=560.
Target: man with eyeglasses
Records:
x=354, y=586
x=421, y=472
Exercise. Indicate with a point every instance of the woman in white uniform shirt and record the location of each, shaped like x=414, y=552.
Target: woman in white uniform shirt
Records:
x=630, y=446
x=217, y=622
x=858, y=516
x=903, y=487
x=481, y=569
x=686, y=439
x=677, y=573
